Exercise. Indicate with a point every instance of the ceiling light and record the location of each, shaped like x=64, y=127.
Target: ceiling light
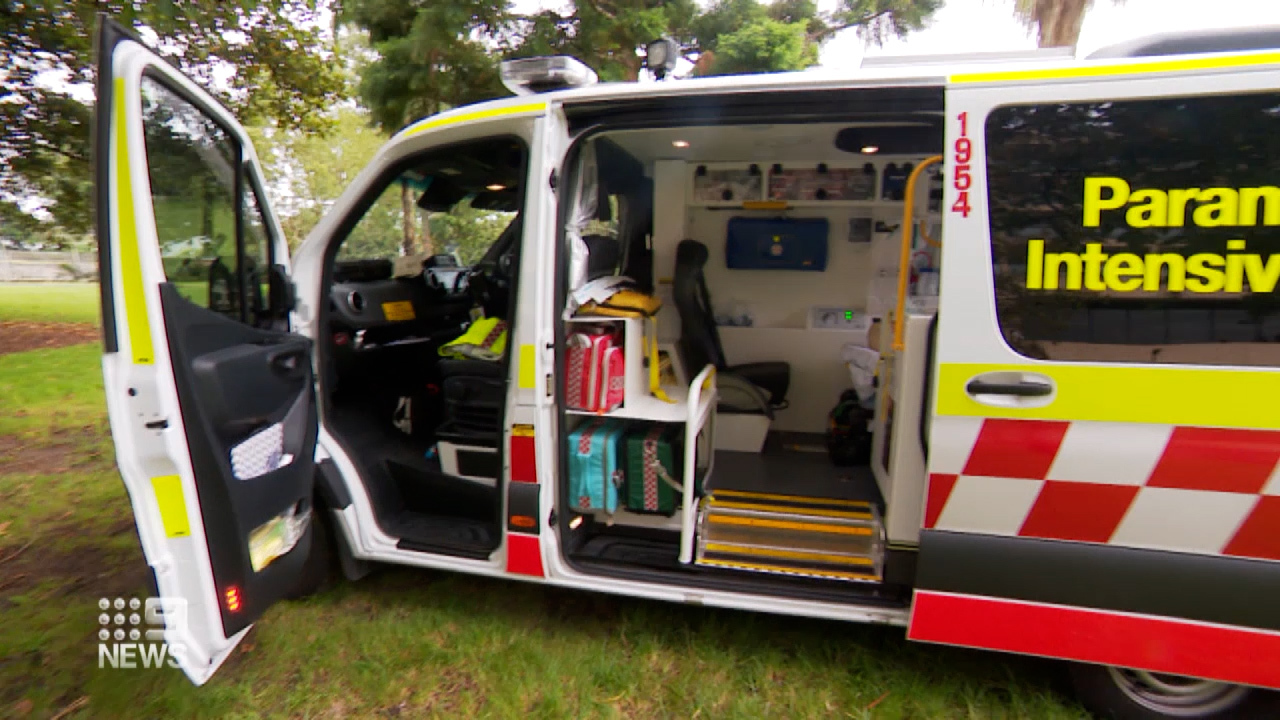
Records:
x=682, y=144
x=495, y=187
x=870, y=149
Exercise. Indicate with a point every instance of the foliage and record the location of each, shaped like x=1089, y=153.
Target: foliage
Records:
x=746, y=36
x=310, y=171
x=283, y=71
x=432, y=55
x=767, y=43
x=441, y=54
x=468, y=232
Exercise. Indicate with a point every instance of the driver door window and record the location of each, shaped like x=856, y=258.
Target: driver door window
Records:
x=214, y=242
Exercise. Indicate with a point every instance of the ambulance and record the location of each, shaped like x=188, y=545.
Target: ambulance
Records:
x=981, y=347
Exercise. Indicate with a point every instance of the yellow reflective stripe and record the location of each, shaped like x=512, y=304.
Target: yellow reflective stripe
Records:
x=788, y=554
x=787, y=525
x=522, y=430
x=817, y=512
x=438, y=122
x=173, y=507
x=789, y=498
x=1087, y=71
x=1116, y=393
x=785, y=569
x=135, y=301
x=526, y=377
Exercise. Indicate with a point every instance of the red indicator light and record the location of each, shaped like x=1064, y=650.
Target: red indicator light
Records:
x=233, y=599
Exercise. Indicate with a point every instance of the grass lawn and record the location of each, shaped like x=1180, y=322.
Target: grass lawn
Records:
x=410, y=643
x=50, y=302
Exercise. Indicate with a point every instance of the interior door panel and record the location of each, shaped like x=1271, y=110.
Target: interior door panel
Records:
x=234, y=381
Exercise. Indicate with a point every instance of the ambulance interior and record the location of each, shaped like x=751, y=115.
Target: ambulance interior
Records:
x=774, y=249
x=414, y=363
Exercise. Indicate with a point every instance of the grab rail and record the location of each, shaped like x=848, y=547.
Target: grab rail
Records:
x=908, y=218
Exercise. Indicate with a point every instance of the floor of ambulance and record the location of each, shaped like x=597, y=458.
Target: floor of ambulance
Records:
x=791, y=465
x=413, y=501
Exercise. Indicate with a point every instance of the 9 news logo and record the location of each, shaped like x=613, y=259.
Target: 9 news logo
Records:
x=131, y=632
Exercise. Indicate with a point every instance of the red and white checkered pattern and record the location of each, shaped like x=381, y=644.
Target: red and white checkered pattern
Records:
x=1189, y=489
x=651, y=466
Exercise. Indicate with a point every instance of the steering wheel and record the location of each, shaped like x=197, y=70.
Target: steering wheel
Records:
x=487, y=283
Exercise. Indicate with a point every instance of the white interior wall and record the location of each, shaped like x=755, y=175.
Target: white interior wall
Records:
x=779, y=300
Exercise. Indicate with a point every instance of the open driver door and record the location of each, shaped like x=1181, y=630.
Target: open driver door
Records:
x=210, y=397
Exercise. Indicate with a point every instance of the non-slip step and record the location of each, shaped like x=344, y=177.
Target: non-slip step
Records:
x=775, y=533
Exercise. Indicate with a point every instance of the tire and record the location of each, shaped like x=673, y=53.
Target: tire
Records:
x=317, y=573
x=1118, y=694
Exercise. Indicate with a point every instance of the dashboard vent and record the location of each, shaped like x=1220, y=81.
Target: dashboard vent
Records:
x=355, y=301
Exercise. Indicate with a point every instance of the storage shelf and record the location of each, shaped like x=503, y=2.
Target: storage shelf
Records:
x=648, y=407
x=694, y=406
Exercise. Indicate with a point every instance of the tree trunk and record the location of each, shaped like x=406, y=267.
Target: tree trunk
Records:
x=1059, y=21
x=407, y=210
x=428, y=246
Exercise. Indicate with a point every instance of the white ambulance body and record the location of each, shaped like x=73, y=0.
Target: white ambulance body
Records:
x=1075, y=458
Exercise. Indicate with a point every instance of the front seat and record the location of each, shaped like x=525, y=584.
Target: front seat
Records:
x=758, y=386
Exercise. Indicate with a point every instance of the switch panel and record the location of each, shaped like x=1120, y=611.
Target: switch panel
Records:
x=822, y=317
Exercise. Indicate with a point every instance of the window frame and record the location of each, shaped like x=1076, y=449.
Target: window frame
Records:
x=373, y=192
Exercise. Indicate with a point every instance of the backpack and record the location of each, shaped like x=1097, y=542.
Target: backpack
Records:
x=849, y=431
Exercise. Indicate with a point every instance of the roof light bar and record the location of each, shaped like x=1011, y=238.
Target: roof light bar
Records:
x=529, y=76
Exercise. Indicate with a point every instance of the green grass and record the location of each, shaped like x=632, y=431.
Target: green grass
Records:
x=49, y=302
x=413, y=643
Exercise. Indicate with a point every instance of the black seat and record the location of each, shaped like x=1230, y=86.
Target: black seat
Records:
x=699, y=336
x=474, y=396
x=603, y=256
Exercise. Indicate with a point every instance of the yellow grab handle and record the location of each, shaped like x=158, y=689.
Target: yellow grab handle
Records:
x=655, y=373
x=908, y=223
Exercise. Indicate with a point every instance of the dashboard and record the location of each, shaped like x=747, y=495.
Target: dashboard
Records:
x=369, y=308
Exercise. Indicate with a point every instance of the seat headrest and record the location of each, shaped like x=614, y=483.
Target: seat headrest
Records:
x=691, y=253
x=603, y=255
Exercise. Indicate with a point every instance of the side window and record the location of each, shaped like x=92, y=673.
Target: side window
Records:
x=1138, y=230
x=213, y=259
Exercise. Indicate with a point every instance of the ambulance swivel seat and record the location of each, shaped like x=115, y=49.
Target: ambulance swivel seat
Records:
x=753, y=387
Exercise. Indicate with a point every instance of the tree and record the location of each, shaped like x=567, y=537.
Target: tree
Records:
x=744, y=36
x=442, y=54
x=311, y=170
x=1057, y=22
x=764, y=43
x=282, y=71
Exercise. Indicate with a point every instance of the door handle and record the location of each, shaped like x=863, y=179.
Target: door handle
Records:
x=1025, y=388
x=1012, y=389
x=288, y=361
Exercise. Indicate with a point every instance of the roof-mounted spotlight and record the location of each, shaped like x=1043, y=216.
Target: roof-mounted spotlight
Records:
x=661, y=56
x=529, y=76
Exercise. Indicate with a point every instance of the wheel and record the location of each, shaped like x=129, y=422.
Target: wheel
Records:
x=1121, y=694
x=318, y=570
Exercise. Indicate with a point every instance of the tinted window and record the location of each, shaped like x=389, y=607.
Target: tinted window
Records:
x=1138, y=231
